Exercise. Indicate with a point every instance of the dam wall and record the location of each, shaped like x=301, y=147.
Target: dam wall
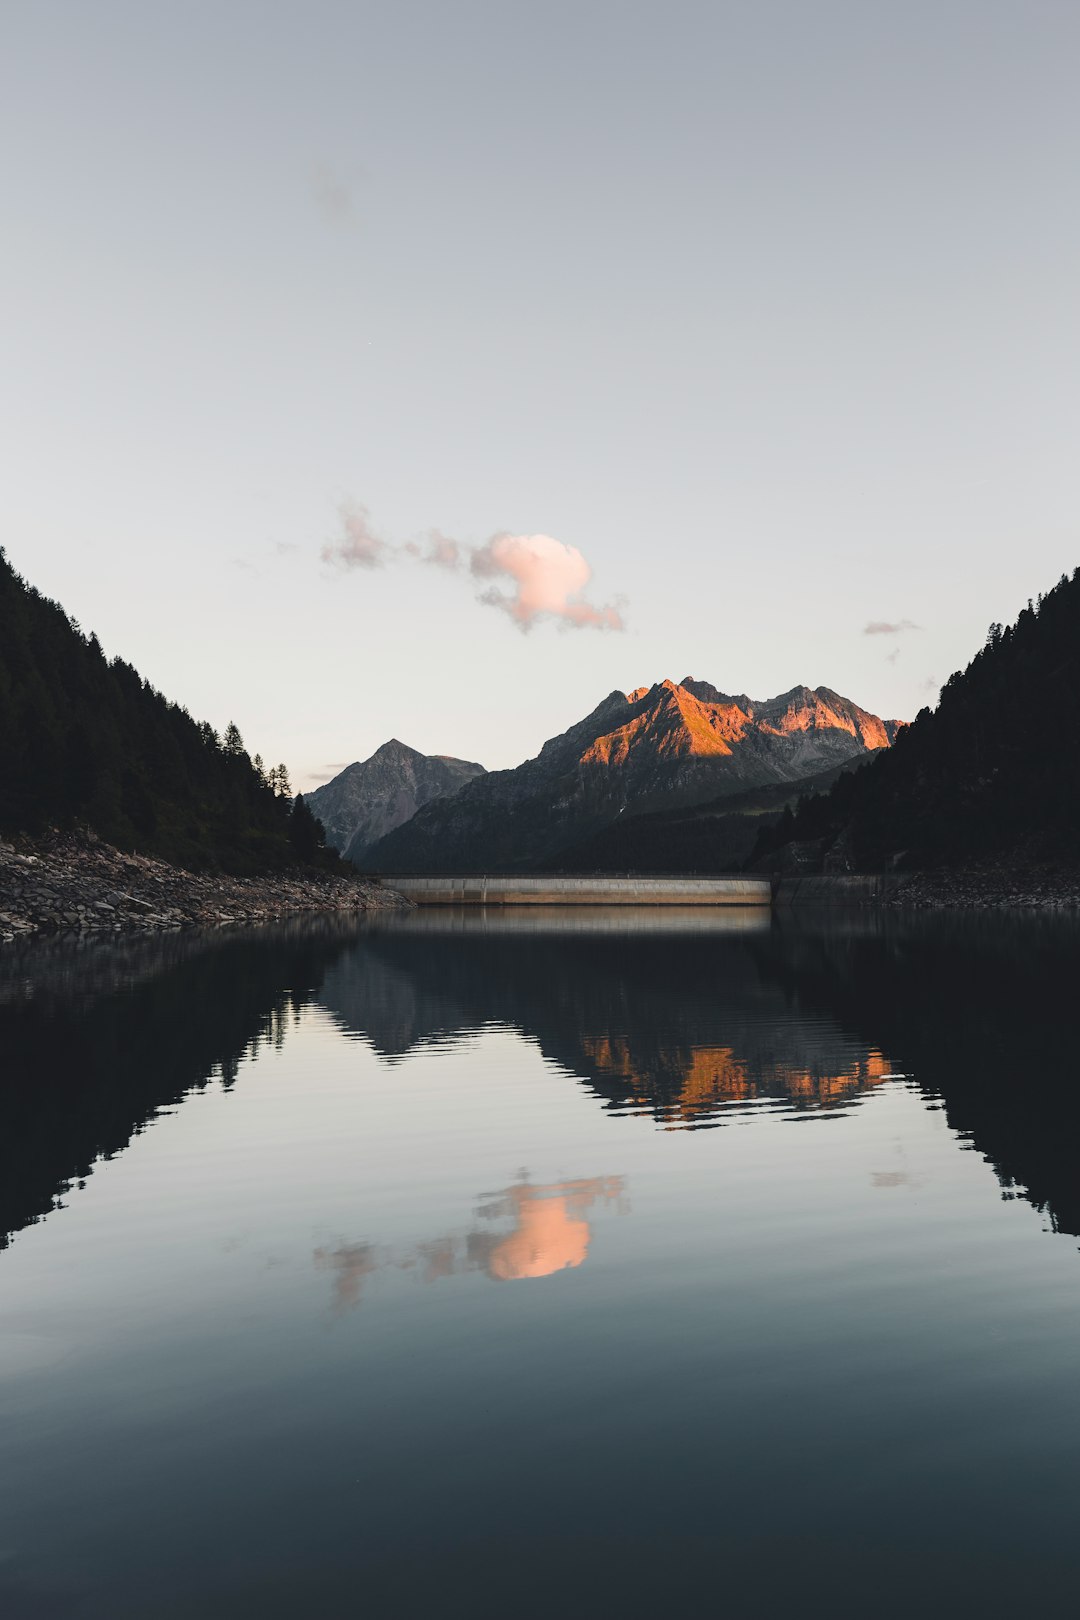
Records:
x=580, y=891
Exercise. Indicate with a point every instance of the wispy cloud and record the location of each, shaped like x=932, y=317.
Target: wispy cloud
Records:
x=532, y=577
x=883, y=627
x=328, y=772
x=442, y=551
x=359, y=545
x=890, y=658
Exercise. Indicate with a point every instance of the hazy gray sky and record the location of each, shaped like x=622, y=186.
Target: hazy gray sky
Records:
x=769, y=310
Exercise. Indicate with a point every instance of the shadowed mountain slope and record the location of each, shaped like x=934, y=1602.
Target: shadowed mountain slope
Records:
x=659, y=746
x=714, y=837
x=373, y=796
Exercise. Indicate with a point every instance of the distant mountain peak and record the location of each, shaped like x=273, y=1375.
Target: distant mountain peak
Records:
x=373, y=796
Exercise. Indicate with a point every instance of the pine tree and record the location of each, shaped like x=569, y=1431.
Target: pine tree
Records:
x=307, y=835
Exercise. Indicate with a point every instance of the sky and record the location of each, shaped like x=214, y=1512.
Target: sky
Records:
x=431, y=370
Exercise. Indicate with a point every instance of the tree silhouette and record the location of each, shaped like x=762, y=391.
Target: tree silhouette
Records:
x=993, y=770
x=307, y=835
x=85, y=740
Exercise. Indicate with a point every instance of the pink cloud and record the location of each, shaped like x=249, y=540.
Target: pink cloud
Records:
x=532, y=576
x=360, y=546
x=547, y=579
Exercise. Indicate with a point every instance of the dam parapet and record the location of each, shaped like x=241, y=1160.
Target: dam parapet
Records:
x=480, y=890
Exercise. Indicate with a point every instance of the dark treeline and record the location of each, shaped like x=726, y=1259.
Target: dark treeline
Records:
x=994, y=770
x=86, y=741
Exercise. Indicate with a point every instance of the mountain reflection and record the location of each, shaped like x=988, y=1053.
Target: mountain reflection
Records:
x=548, y=1233
x=689, y=1023
x=704, y=1079
x=683, y=1023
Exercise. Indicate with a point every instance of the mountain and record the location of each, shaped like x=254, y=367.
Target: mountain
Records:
x=992, y=773
x=659, y=746
x=86, y=740
x=375, y=795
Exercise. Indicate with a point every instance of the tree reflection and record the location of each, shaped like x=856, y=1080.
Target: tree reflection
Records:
x=690, y=1027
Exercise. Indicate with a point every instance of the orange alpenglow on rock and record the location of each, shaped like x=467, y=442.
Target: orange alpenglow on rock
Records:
x=692, y=719
x=674, y=725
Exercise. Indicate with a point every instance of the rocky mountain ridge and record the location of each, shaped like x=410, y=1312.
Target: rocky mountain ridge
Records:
x=373, y=796
x=673, y=743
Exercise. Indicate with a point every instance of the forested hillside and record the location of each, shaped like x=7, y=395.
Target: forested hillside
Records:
x=85, y=741
x=713, y=837
x=994, y=770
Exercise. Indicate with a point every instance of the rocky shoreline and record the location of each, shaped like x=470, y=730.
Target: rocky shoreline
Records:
x=77, y=885
x=997, y=887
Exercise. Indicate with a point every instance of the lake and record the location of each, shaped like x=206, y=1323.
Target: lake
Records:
x=612, y=1263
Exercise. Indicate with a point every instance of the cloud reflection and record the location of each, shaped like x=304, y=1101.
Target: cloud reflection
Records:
x=547, y=1233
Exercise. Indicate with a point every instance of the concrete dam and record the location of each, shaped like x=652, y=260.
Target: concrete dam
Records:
x=459, y=890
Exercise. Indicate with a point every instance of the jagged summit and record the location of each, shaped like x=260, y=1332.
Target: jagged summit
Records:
x=373, y=796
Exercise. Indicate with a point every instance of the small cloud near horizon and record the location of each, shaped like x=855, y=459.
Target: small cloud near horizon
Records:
x=534, y=577
x=882, y=627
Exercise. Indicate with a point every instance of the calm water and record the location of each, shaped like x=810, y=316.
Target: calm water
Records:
x=578, y=1264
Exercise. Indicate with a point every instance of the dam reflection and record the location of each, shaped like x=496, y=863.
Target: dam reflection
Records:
x=548, y=1232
